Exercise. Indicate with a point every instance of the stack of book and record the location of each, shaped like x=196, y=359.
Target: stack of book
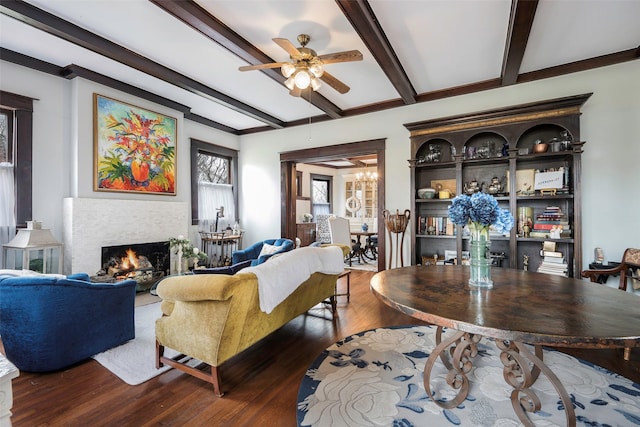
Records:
x=551, y=219
x=553, y=262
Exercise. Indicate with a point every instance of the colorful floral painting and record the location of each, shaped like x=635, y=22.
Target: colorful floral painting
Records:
x=135, y=149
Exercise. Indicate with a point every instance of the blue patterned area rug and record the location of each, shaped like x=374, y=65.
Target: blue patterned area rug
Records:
x=375, y=378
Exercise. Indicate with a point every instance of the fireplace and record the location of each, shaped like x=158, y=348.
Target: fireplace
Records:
x=144, y=262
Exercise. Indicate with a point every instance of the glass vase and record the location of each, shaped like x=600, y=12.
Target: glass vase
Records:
x=480, y=257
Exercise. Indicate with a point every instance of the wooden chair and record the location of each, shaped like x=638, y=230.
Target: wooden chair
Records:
x=341, y=235
x=630, y=264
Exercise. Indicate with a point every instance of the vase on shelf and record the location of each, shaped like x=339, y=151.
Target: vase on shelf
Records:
x=480, y=256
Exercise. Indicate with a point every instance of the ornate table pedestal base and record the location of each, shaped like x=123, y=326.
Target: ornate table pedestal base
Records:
x=521, y=370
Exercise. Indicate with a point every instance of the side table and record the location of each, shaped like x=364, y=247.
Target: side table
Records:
x=8, y=372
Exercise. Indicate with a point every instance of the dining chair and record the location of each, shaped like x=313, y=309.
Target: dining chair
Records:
x=323, y=235
x=340, y=231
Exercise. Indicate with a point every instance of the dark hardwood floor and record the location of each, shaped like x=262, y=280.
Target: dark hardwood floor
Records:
x=261, y=385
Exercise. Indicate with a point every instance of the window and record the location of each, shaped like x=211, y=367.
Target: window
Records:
x=7, y=181
x=6, y=136
x=16, y=116
x=214, y=197
x=321, y=194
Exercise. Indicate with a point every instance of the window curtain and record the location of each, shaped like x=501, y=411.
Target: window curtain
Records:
x=7, y=207
x=320, y=209
x=210, y=198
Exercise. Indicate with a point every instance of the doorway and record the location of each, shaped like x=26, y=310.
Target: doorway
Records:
x=289, y=179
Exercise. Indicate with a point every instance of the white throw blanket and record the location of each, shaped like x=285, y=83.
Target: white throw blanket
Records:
x=282, y=274
x=29, y=273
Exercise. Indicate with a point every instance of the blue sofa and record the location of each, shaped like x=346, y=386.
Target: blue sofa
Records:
x=253, y=252
x=49, y=323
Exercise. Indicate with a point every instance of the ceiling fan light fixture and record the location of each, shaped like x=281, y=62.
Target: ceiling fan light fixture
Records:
x=317, y=69
x=290, y=83
x=305, y=67
x=287, y=69
x=315, y=84
x=302, y=79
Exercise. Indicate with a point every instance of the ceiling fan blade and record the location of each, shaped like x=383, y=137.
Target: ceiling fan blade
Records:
x=346, y=56
x=334, y=83
x=261, y=66
x=288, y=46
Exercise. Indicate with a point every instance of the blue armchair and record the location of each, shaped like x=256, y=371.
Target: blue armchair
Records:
x=49, y=323
x=253, y=251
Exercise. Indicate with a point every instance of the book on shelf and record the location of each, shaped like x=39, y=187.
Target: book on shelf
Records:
x=552, y=223
x=553, y=260
x=422, y=225
x=556, y=254
x=558, y=269
x=550, y=270
x=435, y=225
x=539, y=226
x=541, y=234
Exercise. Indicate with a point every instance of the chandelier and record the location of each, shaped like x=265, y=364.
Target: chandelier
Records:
x=367, y=176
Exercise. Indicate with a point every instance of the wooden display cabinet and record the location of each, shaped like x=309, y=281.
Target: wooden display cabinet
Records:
x=496, y=149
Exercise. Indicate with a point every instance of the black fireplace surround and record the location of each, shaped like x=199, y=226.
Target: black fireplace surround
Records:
x=157, y=253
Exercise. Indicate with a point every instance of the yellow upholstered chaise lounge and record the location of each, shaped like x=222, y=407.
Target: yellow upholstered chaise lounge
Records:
x=211, y=317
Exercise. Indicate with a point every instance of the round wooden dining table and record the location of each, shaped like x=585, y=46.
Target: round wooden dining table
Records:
x=523, y=310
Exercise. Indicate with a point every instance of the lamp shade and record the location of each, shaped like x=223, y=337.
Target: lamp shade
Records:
x=32, y=239
x=317, y=69
x=315, y=83
x=287, y=69
x=302, y=79
x=34, y=249
x=289, y=83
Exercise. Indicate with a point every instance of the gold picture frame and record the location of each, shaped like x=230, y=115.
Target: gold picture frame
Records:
x=134, y=148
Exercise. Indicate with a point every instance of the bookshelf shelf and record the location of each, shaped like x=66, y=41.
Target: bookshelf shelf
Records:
x=499, y=144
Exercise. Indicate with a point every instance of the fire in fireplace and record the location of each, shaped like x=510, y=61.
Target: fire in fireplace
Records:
x=145, y=262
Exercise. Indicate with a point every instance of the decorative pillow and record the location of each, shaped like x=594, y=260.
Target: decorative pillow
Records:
x=268, y=249
x=228, y=270
x=239, y=266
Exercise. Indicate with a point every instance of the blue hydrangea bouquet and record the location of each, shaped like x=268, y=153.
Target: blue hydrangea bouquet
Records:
x=479, y=212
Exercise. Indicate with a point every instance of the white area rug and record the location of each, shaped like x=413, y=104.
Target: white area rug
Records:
x=134, y=361
x=375, y=378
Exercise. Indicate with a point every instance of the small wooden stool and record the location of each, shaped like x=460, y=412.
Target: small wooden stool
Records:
x=346, y=273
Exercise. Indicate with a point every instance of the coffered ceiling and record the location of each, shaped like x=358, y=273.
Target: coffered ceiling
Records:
x=188, y=52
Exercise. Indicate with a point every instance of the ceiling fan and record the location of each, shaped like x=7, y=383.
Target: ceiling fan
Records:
x=306, y=67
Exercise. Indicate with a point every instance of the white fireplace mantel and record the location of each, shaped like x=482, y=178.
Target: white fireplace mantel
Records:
x=90, y=224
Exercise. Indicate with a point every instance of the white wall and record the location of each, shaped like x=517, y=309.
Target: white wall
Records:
x=63, y=144
x=51, y=116
x=610, y=124
x=611, y=162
